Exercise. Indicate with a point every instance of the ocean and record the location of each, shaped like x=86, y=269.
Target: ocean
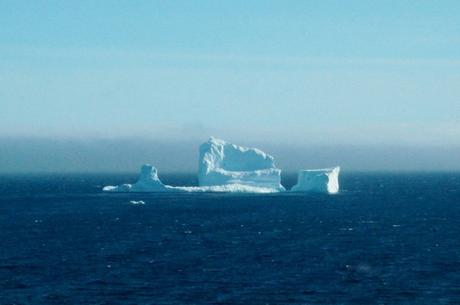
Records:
x=386, y=238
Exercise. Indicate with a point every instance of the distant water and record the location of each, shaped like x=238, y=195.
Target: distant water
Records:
x=385, y=239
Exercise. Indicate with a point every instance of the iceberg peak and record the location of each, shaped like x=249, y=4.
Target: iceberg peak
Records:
x=148, y=172
x=148, y=180
x=222, y=163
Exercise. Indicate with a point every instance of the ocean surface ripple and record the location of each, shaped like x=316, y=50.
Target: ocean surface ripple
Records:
x=384, y=239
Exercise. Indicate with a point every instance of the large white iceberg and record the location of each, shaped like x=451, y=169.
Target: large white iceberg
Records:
x=222, y=163
x=225, y=167
x=318, y=180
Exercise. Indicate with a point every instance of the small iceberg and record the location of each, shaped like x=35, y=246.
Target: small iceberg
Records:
x=226, y=167
x=318, y=180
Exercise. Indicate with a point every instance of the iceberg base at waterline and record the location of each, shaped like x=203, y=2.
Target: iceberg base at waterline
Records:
x=150, y=183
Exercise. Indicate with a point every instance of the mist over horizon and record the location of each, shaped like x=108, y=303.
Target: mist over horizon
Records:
x=125, y=155
x=101, y=86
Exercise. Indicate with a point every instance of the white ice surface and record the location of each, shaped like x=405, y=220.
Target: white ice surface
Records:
x=222, y=163
x=318, y=180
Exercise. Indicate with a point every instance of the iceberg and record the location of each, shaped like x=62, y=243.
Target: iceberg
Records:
x=318, y=180
x=223, y=167
x=148, y=182
x=223, y=163
x=226, y=167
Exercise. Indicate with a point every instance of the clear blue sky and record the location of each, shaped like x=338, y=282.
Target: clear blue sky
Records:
x=328, y=72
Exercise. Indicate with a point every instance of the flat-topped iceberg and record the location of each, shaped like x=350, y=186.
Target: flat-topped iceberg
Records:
x=318, y=180
x=222, y=163
x=225, y=167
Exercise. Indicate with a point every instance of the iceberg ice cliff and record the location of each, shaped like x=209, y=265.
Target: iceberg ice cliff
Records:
x=225, y=167
x=222, y=163
x=318, y=180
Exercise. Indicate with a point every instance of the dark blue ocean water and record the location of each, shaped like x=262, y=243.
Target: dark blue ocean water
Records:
x=385, y=239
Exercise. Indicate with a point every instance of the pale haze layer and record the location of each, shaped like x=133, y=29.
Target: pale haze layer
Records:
x=104, y=86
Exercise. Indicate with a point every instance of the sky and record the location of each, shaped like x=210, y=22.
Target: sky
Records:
x=379, y=76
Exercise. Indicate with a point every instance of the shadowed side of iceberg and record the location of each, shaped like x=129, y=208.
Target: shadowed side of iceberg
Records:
x=148, y=182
